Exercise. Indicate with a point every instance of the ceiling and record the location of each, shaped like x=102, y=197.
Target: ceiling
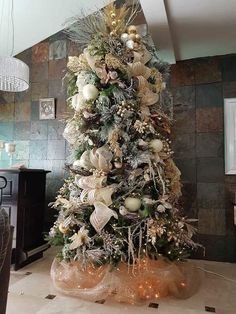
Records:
x=181, y=29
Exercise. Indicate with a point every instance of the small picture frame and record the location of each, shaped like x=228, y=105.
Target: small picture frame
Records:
x=47, y=110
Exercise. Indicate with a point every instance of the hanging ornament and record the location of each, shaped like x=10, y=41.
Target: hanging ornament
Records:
x=113, y=15
x=132, y=37
x=156, y=145
x=124, y=37
x=132, y=29
x=78, y=102
x=133, y=204
x=137, y=37
x=90, y=92
x=62, y=228
x=130, y=44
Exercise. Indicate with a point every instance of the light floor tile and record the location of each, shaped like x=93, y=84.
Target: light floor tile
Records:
x=219, y=293
x=167, y=309
x=38, y=285
x=27, y=294
x=24, y=304
x=224, y=269
x=15, y=277
x=221, y=311
x=66, y=305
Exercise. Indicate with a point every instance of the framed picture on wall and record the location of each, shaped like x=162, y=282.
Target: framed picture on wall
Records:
x=230, y=135
x=47, y=110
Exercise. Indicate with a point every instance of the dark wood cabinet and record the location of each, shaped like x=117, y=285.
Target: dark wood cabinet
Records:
x=24, y=201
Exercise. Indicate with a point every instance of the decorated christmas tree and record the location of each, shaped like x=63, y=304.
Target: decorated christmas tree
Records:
x=119, y=222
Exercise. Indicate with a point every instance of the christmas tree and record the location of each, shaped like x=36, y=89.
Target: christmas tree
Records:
x=120, y=204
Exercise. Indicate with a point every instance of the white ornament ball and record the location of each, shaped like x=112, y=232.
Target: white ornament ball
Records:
x=132, y=204
x=156, y=145
x=90, y=92
x=130, y=44
x=78, y=102
x=124, y=37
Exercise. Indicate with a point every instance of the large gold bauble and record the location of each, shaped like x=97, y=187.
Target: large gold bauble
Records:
x=132, y=36
x=132, y=29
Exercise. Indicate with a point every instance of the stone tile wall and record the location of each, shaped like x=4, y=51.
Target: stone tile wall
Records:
x=199, y=87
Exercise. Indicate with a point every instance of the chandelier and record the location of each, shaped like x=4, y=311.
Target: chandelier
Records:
x=14, y=73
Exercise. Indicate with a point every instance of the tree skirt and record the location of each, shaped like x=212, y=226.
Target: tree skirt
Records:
x=147, y=281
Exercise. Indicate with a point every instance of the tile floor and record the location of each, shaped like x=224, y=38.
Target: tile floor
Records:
x=31, y=292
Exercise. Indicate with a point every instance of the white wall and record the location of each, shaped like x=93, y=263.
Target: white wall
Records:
x=36, y=20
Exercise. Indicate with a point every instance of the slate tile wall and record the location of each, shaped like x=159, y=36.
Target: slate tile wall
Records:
x=39, y=144
x=199, y=87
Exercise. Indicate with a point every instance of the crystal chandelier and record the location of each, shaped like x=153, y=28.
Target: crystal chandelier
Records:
x=14, y=73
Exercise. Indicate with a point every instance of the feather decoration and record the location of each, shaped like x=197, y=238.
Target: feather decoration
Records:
x=81, y=29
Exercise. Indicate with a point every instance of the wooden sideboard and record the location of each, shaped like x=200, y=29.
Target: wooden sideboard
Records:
x=24, y=201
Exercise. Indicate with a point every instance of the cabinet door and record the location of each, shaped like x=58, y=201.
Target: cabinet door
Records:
x=32, y=205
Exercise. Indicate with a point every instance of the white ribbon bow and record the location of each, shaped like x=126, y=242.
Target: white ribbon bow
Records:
x=101, y=215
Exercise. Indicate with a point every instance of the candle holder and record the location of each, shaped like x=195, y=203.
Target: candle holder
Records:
x=2, y=146
x=10, y=149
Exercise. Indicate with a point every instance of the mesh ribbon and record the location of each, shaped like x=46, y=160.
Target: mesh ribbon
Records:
x=149, y=280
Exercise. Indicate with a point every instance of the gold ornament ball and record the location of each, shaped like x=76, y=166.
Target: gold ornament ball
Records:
x=133, y=204
x=62, y=228
x=136, y=45
x=132, y=29
x=113, y=23
x=156, y=145
x=132, y=37
x=113, y=15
